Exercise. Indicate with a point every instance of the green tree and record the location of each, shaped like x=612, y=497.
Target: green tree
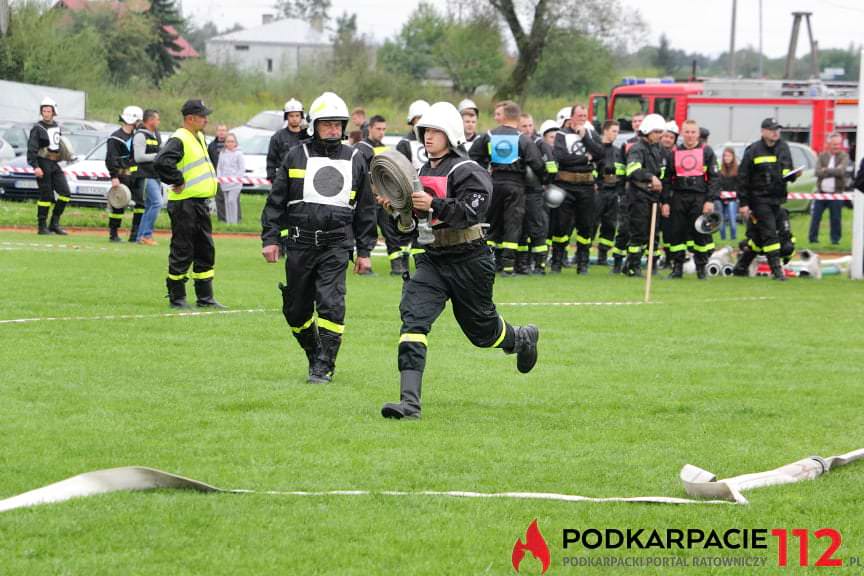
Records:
x=349, y=49
x=164, y=14
x=573, y=63
x=412, y=52
x=307, y=10
x=471, y=53
x=664, y=59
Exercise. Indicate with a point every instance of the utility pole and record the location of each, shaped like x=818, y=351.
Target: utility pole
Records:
x=4, y=17
x=761, y=56
x=732, y=41
x=793, y=47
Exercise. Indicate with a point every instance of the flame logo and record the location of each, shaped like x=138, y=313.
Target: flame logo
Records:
x=534, y=543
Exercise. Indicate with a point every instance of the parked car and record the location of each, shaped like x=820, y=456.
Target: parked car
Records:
x=7, y=152
x=254, y=148
x=262, y=124
x=16, y=134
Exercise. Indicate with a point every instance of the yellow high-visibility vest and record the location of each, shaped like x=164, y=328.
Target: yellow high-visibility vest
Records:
x=198, y=173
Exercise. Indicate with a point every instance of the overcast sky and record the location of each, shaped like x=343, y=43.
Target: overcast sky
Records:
x=705, y=29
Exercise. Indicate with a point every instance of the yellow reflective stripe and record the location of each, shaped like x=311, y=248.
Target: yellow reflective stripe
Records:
x=284, y=233
x=503, y=333
x=764, y=159
x=352, y=195
x=771, y=247
x=394, y=255
x=44, y=204
x=307, y=324
x=677, y=247
x=133, y=169
x=509, y=245
x=415, y=251
x=151, y=142
x=551, y=167
x=662, y=172
x=491, y=243
x=199, y=179
x=594, y=173
x=192, y=165
x=64, y=198
x=583, y=240
x=606, y=242
x=296, y=173
x=177, y=276
x=115, y=216
x=331, y=326
x=617, y=251
x=706, y=248
x=138, y=211
x=634, y=249
x=523, y=248
x=755, y=247
x=418, y=338
x=540, y=249
x=199, y=175
x=507, y=269
x=560, y=239
x=632, y=167
x=786, y=171
x=202, y=275
x=380, y=149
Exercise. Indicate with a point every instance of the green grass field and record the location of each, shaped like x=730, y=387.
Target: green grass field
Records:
x=733, y=375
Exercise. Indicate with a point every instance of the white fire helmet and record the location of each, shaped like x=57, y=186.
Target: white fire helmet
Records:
x=417, y=108
x=132, y=115
x=468, y=104
x=445, y=117
x=563, y=115
x=651, y=123
x=293, y=105
x=672, y=127
x=548, y=125
x=48, y=102
x=328, y=106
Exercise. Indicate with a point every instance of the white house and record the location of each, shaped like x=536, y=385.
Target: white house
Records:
x=278, y=48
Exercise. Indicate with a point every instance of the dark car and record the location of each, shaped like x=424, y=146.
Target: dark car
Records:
x=16, y=134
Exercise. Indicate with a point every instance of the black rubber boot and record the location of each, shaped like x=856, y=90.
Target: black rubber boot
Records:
x=136, y=222
x=742, y=266
x=617, y=264
x=43, y=229
x=408, y=408
x=397, y=266
x=324, y=366
x=776, y=268
x=582, y=259
x=633, y=267
x=602, y=255
x=177, y=293
x=525, y=347
x=311, y=345
x=677, y=270
x=539, y=263
x=523, y=263
x=55, y=224
x=558, y=256
x=701, y=273
x=113, y=235
x=204, y=294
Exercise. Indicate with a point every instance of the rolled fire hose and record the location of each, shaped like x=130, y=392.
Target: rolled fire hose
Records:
x=394, y=178
x=697, y=482
x=718, y=262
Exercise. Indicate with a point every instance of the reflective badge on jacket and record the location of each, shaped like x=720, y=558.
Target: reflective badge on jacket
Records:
x=418, y=154
x=574, y=145
x=690, y=163
x=504, y=148
x=53, y=138
x=327, y=182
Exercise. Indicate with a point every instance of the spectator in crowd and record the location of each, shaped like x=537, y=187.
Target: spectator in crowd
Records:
x=213, y=150
x=728, y=207
x=358, y=119
x=831, y=170
x=232, y=165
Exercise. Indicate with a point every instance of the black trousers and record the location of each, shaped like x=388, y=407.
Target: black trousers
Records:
x=464, y=279
x=535, y=224
x=763, y=227
x=576, y=214
x=506, y=212
x=640, y=223
x=606, y=217
x=315, y=284
x=53, y=180
x=622, y=234
x=397, y=243
x=684, y=210
x=191, y=240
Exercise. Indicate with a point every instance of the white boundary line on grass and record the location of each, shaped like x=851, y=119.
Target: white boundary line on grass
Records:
x=136, y=316
x=636, y=302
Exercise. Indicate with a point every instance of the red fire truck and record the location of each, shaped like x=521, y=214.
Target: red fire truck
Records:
x=733, y=109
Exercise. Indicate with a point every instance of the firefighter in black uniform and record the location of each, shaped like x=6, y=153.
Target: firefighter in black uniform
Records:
x=611, y=170
x=576, y=150
x=763, y=174
x=184, y=164
x=622, y=236
x=120, y=162
x=43, y=154
x=646, y=185
x=320, y=206
x=285, y=138
x=409, y=146
x=470, y=115
x=456, y=266
x=510, y=155
x=693, y=192
x=533, y=248
x=398, y=244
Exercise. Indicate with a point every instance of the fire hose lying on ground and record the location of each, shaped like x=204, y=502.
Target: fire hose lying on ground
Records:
x=697, y=483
